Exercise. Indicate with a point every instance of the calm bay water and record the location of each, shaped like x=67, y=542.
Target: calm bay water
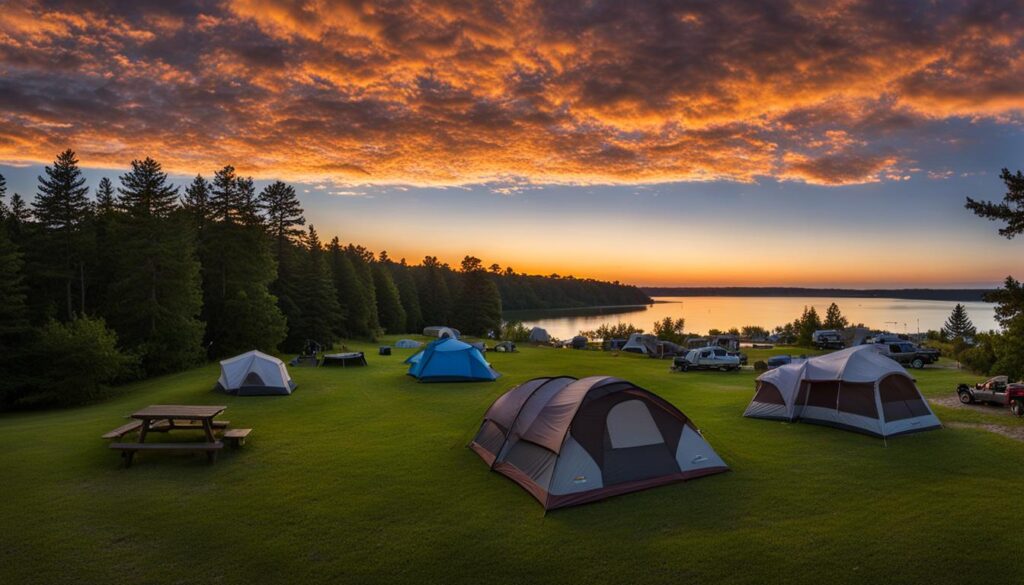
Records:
x=703, y=313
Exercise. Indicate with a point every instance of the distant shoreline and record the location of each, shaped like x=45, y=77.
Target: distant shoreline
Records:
x=913, y=294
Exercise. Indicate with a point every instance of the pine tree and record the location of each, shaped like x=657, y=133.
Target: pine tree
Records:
x=479, y=307
x=435, y=296
x=224, y=198
x=3, y=194
x=62, y=208
x=352, y=296
x=18, y=215
x=834, y=319
x=238, y=269
x=156, y=280
x=15, y=332
x=959, y=324
x=410, y=296
x=389, y=303
x=806, y=325
x=284, y=216
x=248, y=202
x=105, y=200
x=319, y=317
x=196, y=204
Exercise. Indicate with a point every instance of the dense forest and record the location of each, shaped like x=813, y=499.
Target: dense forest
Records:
x=147, y=278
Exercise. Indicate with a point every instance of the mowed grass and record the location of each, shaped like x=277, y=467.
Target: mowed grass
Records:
x=363, y=476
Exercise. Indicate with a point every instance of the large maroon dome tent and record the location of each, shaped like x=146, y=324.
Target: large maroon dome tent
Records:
x=569, y=441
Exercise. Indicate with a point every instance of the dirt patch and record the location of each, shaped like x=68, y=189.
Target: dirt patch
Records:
x=1015, y=433
x=989, y=409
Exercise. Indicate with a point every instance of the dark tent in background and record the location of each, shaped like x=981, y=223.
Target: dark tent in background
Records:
x=539, y=335
x=569, y=441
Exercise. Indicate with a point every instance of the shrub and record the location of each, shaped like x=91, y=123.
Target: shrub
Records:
x=760, y=366
x=75, y=360
x=515, y=331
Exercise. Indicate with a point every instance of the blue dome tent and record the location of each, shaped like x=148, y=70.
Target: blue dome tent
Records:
x=450, y=360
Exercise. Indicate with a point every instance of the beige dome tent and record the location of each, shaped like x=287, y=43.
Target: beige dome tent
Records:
x=856, y=389
x=569, y=441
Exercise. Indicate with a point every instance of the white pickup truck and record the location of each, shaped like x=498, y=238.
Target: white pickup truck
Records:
x=707, y=358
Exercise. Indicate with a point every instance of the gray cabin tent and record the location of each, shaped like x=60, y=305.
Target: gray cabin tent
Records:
x=856, y=389
x=407, y=344
x=442, y=332
x=569, y=441
x=539, y=335
x=254, y=373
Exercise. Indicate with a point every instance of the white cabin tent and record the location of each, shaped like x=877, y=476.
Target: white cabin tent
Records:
x=441, y=332
x=539, y=335
x=254, y=373
x=856, y=389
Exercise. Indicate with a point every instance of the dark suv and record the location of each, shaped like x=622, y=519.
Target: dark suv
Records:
x=908, y=354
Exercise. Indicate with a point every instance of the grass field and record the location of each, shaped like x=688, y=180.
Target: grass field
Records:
x=362, y=476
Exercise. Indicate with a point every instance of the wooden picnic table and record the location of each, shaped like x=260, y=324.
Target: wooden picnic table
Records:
x=202, y=414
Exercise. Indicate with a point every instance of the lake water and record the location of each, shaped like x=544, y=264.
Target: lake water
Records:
x=704, y=313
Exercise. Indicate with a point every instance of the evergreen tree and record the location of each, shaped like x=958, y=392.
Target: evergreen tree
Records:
x=806, y=325
x=18, y=215
x=3, y=194
x=362, y=318
x=225, y=200
x=238, y=268
x=479, y=307
x=351, y=297
x=410, y=296
x=107, y=253
x=389, y=303
x=319, y=316
x=248, y=202
x=435, y=296
x=156, y=281
x=62, y=208
x=15, y=333
x=1010, y=210
x=105, y=200
x=834, y=319
x=959, y=324
x=196, y=204
x=284, y=216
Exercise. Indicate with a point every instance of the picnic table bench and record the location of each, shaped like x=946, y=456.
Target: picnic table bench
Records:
x=167, y=418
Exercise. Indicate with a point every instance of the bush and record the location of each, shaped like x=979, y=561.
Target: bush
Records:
x=75, y=360
x=515, y=331
x=616, y=331
x=760, y=366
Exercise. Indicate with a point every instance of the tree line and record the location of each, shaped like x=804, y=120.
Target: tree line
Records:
x=147, y=278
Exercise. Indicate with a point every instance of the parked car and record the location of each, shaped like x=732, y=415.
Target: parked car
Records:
x=908, y=354
x=706, y=358
x=995, y=390
x=779, y=360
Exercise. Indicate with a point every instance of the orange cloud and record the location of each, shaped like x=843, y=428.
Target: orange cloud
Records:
x=547, y=91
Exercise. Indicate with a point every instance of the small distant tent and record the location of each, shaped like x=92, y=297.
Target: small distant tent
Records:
x=539, y=335
x=450, y=360
x=254, y=374
x=856, y=389
x=442, y=332
x=579, y=342
x=569, y=441
x=407, y=344
x=643, y=344
x=505, y=347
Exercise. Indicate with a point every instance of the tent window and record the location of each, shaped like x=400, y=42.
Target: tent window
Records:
x=823, y=394
x=858, y=399
x=767, y=393
x=900, y=398
x=253, y=379
x=630, y=424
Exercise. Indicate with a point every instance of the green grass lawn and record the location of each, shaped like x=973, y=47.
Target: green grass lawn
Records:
x=362, y=475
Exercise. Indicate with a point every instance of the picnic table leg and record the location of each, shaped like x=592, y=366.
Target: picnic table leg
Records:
x=144, y=430
x=208, y=427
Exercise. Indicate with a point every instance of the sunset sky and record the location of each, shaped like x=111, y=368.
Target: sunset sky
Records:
x=671, y=143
